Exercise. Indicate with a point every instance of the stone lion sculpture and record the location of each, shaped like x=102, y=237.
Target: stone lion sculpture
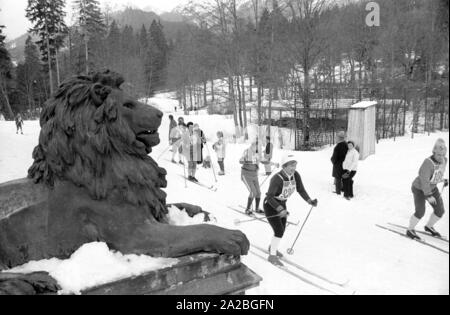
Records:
x=102, y=185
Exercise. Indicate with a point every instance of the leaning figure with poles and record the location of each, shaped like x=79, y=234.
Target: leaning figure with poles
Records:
x=282, y=186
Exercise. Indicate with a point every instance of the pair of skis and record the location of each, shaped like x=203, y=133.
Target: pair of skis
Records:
x=257, y=217
x=210, y=187
x=310, y=277
x=392, y=228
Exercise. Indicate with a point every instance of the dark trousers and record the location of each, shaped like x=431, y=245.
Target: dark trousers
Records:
x=222, y=166
x=338, y=185
x=419, y=203
x=347, y=184
x=278, y=224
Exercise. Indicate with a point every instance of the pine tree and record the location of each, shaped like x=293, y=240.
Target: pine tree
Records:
x=48, y=19
x=92, y=28
x=143, y=41
x=156, y=61
x=29, y=74
x=113, y=44
x=5, y=75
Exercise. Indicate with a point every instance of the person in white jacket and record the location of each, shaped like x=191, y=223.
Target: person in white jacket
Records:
x=219, y=148
x=350, y=166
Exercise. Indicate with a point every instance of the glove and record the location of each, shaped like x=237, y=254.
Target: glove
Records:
x=313, y=202
x=445, y=182
x=345, y=175
x=431, y=200
x=283, y=213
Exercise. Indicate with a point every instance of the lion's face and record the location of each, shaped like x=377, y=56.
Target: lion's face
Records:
x=144, y=120
x=96, y=136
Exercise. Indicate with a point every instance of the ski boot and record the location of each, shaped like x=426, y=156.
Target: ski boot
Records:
x=279, y=255
x=260, y=211
x=412, y=234
x=248, y=212
x=432, y=231
x=275, y=261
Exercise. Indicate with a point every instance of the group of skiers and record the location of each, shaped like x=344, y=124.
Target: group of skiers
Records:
x=188, y=140
x=287, y=181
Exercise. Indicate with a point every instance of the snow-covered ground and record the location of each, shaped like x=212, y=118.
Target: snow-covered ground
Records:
x=340, y=239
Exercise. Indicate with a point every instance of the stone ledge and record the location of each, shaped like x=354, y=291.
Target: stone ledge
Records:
x=199, y=274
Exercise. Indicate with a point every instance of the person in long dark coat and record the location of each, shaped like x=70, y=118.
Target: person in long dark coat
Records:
x=338, y=157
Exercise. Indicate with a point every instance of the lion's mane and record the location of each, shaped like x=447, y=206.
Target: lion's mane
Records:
x=84, y=140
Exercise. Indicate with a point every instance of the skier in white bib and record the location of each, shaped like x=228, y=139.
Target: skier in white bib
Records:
x=282, y=186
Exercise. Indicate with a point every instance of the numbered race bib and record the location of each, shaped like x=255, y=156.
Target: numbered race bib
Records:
x=289, y=187
x=438, y=173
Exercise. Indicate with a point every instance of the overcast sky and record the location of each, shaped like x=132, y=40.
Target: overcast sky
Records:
x=12, y=13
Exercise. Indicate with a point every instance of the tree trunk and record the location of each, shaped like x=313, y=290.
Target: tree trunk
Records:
x=5, y=95
x=87, y=54
x=49, y=59
x=238, y=86
x=244, y=107
x=251, y=88
x=57, y=69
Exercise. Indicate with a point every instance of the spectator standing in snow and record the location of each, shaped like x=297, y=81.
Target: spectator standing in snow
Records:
x=220, y=148
x=349, y=166
x=176, y=135
x=282, y=185
x=268, y=152
x=424, y=188
x=172, y=124
x=338, y=157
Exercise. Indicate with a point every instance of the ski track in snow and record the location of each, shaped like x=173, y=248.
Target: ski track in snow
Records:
x=340, y=239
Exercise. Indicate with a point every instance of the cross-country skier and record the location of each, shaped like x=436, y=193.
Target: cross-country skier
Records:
x=19, y=123
x=424, y=188
x=249, y=175
x=282, y=185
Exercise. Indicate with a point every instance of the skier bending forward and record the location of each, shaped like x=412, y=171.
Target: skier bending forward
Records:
x=282, y=186
x=424, y=188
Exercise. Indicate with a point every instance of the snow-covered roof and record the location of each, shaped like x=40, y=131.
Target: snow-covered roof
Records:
x=364, y=104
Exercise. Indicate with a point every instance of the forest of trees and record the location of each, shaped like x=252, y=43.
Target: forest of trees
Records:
x=263, y=49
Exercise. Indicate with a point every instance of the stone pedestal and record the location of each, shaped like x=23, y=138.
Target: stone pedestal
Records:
x=197, y=274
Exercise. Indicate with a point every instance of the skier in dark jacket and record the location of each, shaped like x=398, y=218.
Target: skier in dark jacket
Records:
x=282, y=186
x=338, y=157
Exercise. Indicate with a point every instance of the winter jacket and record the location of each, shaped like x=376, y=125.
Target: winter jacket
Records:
x=282, y=187
x=351, y=160
x=430, y=174
x=172, y=125
x=192, y=149
x=250, y=161
x=338, y=157
x=268, y=151
x=220, y=148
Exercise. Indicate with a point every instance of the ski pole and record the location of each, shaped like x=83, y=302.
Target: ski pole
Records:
x=212, y=164
x=165, y=150
x=290, y=250
x=267, y=177
x=184, y=172
x=237, y=221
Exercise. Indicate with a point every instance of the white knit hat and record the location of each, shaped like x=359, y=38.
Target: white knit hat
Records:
x=287, y=158
x=440, y=147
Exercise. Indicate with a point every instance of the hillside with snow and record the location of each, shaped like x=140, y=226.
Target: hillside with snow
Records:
x=340, y=240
